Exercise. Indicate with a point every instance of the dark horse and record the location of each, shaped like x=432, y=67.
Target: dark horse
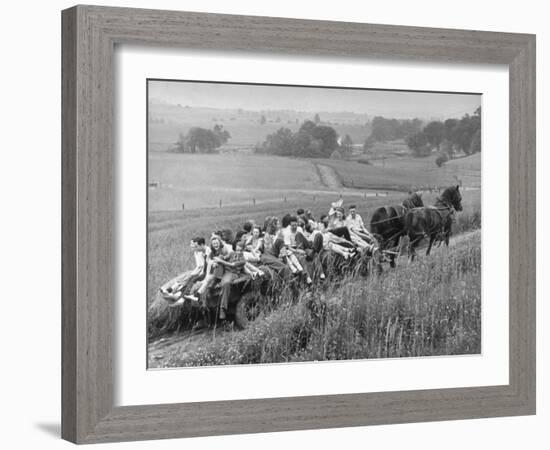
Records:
x=433, y=222
x=388, y=222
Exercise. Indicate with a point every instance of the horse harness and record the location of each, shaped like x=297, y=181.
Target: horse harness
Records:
x=407, y=206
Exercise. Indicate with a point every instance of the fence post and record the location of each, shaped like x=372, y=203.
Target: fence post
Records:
x=220, y=202
x=285, y=199
x=254, y=201
x=183, y=206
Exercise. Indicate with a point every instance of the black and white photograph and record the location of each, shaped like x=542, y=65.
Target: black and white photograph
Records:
x=303, y=223
x=276, y=224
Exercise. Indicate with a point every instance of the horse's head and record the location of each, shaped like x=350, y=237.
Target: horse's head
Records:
x=452, y=196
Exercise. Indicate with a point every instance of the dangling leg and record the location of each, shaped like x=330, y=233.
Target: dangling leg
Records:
x=227, y=279
x=432, y=238
x=396, y=243
x=447, y=236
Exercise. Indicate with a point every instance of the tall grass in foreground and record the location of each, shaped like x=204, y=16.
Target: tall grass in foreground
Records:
x=431, y=307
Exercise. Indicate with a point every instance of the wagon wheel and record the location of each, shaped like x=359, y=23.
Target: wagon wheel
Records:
x=248, y=309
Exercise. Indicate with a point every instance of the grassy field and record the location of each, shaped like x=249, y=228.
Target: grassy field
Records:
x=200, y=181
x=432, y=307
x=407, y=172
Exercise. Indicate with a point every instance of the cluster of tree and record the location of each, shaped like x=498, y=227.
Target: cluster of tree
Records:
x=201, y=140
x=310, y=141
x=448, y=137
x=391, y=129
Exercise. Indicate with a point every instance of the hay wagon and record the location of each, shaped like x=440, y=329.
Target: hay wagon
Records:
x=247, y=299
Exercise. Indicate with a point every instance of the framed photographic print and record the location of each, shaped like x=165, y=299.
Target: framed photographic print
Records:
x=285, y=216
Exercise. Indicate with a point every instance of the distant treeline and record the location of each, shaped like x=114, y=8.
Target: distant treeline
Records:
x=315, y=139
x=392, y=129
x=447, y=137
x=312, y=140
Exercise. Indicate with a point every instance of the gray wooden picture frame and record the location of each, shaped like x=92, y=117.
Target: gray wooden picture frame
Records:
x=90, y=34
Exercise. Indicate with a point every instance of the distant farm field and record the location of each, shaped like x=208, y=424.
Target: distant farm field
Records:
x=407, y=172
x=199, y=181
x=203, y=181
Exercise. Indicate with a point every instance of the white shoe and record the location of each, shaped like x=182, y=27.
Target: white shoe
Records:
x=180, y=302
x=192, y=298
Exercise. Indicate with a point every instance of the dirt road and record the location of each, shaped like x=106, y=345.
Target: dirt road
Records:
x=328, y=176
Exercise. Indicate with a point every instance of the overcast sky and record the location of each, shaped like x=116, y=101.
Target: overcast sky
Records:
x=399, y=104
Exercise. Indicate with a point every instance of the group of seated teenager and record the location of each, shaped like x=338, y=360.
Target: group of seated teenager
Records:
x=291, y=246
